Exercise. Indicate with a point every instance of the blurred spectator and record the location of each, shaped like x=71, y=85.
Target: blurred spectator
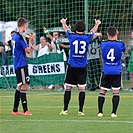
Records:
x=7, y=50
x=1, y=50
x=58, y=46
x=30, y=38
x=42, y=48
x=94, y=65
x=130, y=64
x=1, y=47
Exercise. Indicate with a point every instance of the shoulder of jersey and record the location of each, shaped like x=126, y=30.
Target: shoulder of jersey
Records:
x=114, y=41
x=119, y=41
x=20, y=36
x=17, y=34
x=72, y=32
x=89, y=33
x=104, y=40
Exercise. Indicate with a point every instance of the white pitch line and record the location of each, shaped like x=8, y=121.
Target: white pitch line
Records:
x=72, y=121
x=47, y=94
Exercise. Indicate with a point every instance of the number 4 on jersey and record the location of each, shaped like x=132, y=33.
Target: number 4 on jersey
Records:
x=110, y=54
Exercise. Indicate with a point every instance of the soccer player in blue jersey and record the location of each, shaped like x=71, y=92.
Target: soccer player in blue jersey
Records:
x=111, y=72
x=20, y=48
x=77, y=63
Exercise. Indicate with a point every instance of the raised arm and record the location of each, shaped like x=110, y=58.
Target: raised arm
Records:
x=47, y=34
x=97, y=23
x=63, y=21
x=36, y=48
x=99, y=35
x=64, y=46
x=32, y=38
x=30, y=43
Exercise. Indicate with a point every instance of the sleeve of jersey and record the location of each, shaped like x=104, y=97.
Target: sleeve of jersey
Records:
x=91, y=34
x=23, y=44
x=123, y=47
x=68, y=33
x=101, y=45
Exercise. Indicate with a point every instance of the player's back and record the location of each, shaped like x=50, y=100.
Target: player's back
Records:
x=78, y=48
x=111, y=54
x=19, y=54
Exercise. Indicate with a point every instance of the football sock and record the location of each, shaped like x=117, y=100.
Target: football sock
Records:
x=16, y=100
x=24, y=100
x=101, y=99
x=81, y=100
x=67, y=97
x=115, y=102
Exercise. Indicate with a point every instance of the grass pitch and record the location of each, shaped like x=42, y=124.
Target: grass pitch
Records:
x=46, y=106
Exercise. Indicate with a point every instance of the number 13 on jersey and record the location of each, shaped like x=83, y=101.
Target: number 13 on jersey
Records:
x=83, y=47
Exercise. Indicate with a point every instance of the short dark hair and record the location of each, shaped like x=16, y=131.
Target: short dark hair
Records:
x=21, y=22
x=111, y=31
x=80, y=26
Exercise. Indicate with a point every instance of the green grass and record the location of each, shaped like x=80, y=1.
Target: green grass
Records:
x=46, y=106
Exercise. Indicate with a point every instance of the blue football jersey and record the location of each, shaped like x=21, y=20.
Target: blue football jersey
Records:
x=78, y=48
x=19, y=45
x=112, y=54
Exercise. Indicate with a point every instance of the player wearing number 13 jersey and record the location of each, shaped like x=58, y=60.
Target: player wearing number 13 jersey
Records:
x=79, y=46
x=111, y=71
x=77, y=71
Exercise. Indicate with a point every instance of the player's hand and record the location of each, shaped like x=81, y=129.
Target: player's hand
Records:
x=31, y=38
x=63, y=20
x=44, y=29
x=69, y=26
x=97, y=22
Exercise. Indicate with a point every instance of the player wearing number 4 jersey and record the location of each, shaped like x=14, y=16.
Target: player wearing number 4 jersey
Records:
x=111, y=72
x=77, y=71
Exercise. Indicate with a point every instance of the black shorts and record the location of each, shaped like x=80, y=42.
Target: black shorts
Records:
x=76, y=76
x=108, y=82
x=22, y=76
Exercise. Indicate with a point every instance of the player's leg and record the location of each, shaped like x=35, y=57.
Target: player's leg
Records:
x=16, y=102
x=67, y=97
x=82, y=75
x=115, y=102
x=69, y=83
x=24, y=87
x=81, y=99
x=17, y=94
x=101, y=100
x=105, y=84
x=116, y=96
x=25, y=81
